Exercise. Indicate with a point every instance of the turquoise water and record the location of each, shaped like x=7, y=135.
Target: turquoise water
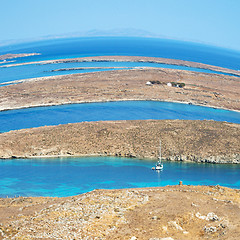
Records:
x=128, y=110
x=71, y=176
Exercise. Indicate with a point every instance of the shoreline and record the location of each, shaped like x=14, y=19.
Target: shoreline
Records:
x=117, y=58
x=216, y=91
x=122, y=100
x=183, y=140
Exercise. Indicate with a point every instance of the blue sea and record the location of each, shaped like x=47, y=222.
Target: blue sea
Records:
x=126, y=110
x=71, y=176
x=105, y=46
x=126, y=46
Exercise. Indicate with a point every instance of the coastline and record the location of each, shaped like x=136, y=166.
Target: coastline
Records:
x=126, y=213
x=183, y=140
x=17, y=55
x=134, y=59
x=217, y=91
x=122, y=100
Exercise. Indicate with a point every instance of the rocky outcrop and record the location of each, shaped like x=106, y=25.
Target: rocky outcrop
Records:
x=182, y=140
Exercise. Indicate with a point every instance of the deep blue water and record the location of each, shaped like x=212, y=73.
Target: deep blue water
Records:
x=102, y=46
x=130, y=46
x=71, y=176
x=128, y=110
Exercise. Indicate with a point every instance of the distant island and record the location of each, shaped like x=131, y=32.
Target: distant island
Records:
x=17, y=55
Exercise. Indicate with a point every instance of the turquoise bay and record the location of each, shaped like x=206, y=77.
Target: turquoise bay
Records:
x=71, y=176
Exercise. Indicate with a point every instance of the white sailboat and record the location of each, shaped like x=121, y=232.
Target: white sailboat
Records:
x=159, y=165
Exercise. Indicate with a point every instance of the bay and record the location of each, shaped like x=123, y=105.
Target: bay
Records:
x=9, y=74
x=61, y=177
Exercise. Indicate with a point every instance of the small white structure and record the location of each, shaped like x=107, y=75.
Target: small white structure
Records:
x=148, y=83
x=169, y=84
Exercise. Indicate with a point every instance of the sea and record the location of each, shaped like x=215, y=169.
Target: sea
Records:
x=110, y=46
x=70, y=176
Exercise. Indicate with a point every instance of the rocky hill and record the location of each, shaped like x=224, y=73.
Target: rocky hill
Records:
x=172, y=212
x=182, y=140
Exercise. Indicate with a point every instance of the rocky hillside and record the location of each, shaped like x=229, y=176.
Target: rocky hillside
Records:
x=172, y=212
x=199, y=141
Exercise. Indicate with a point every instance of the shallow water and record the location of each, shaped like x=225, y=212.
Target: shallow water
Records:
x=126, y=110
x=71, y=176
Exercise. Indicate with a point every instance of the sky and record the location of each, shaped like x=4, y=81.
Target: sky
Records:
x=214, y=22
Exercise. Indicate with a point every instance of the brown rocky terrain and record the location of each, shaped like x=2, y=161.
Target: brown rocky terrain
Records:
x=199, y=141
x=200, y=88
x=16, y=55
x=173, y=212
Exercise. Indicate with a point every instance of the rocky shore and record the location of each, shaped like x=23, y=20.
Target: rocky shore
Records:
x=171, y=212
x=182, y=140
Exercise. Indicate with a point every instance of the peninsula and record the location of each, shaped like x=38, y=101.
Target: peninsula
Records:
x=220, y=91
x=16, y=55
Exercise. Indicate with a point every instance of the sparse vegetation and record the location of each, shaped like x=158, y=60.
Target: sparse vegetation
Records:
x=180, y=85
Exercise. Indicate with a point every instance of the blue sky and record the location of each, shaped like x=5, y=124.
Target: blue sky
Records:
x=214, y=22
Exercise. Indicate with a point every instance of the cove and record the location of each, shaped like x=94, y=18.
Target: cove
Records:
x=61, y=177
x=125, y=110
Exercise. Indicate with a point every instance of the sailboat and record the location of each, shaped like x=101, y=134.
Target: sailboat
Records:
x=159, y=165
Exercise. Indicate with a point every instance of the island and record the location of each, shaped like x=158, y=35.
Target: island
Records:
x=214, y=90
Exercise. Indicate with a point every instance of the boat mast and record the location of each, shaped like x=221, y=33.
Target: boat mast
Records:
x=160, y=153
